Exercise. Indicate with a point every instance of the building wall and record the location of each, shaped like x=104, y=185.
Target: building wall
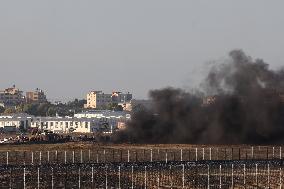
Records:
x=63, y=125
x=97, y=99
x=36, y=96
x=100, y=100
x=17, y=123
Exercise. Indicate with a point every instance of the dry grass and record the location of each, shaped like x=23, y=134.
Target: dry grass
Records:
x=90, y=145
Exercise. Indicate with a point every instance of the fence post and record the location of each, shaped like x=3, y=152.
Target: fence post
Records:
x=220, y=176
x=24, y=178
x=104, y=155
x=180, y=154
x=151, y=155
x=145, y=176
x=256, y=174
x=196, y=158
x=280, y=178
x=38, y=178
x=268, y=175
x=65, y=157
x=106, y=177
x=52, y=182
x=273, y=154
x=182, y=175
x=166, y=156
x=208, y=176
x=128, y=156
x=92, y=180
x=32, y=158
x=119, y=178
x=56, y=155
x=132, y=181
x=232, y=175
x=79, y=178
x=7, y=158
x=73, y=156
x=244, y=174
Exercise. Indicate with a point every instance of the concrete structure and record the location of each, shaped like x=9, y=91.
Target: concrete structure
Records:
x=36, y=96
x=11, y=96
x=12, y=123
x=97, y=99
x=70, y=124
x=119, y=97
x=100, y=100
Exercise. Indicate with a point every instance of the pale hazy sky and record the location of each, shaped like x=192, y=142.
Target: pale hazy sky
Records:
x=71, y=47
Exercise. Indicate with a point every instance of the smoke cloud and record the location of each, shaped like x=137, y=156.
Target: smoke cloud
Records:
x=241, y=102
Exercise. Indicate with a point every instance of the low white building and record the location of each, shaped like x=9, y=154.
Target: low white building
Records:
x=112, y=118
x=70, y=124
x=12, y=123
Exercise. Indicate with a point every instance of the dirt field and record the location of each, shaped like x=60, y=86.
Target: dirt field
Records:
x=89, y=145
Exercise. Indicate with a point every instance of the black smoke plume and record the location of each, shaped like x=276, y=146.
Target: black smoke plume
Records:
x=242, y=103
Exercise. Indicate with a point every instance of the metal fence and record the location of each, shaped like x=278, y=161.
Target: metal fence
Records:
x=247, y=167
x=138, y=155
x=200, y=174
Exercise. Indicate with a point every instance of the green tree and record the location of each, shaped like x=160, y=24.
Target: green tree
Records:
x=42, y=109
x=51, y=111
x=9, y=111
x=114, y=106
x=2, y=109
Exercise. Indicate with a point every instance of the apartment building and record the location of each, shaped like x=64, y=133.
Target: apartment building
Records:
x=36, y=96
x=100, y=100
x=119, y=97
x=97, y=99
x=11, y=96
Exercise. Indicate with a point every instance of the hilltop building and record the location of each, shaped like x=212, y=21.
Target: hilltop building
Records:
x=36, y=96
x=11, y=96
